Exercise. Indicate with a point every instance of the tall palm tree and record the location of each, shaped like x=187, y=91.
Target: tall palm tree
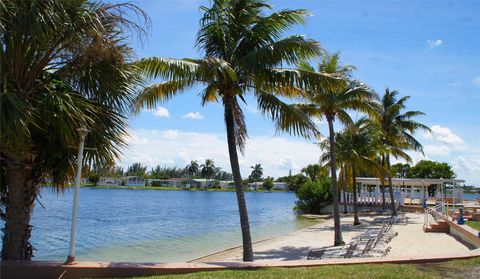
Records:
x=332, y=102
x=397, y=129
x=242, y=48
x=193, y=168
x=356, y=150
x=257, y=172
x=63, y=64
x=208, y=170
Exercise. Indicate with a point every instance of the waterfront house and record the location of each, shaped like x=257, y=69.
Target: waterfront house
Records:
x=227, y=184
x=171, y=182
x=280, y=186
x=109, y=181
x=255, y=185
x=202, y=183
x=133, y=181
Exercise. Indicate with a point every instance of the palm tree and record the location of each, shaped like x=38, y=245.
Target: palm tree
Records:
x=242, y=48
x=356, y=150
x=332, y=102
x=315, y=171
x=63, y=64
x=208, y=170
x=397, y=129
x=193, y=168
x=257, y=172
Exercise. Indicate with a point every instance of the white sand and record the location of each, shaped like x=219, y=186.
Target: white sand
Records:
x=410, y=242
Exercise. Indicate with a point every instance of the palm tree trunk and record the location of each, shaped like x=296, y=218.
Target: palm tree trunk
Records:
x=392, y=200
x=383, y=186
x=338, y=240
x=242, y=205
x=355, y=205
x=22, y=191
x=345, y=201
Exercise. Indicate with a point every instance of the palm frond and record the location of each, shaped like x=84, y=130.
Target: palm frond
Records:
x=287, y=118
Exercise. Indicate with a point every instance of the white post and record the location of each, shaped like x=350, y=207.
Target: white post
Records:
x=71, y=256
x=442, y=197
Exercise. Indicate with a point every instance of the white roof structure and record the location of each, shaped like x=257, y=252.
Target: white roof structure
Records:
x=410, y=181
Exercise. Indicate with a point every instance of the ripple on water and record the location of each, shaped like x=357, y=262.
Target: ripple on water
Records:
x=148, y=225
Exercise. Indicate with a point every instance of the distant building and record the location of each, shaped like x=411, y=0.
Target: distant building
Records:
x=172, y=182
x=133, y=181
x=109, y=181
x=202, y=183
x=255, y=185
x=227, y=184
x=280, y=186
x=121, y=181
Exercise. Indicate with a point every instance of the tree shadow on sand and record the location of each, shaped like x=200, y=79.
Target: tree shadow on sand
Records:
x=287, y=253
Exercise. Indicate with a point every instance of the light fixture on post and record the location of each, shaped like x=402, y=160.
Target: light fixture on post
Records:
x=83, y=134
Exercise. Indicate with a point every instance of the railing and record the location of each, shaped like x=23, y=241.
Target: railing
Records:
x=433, y=215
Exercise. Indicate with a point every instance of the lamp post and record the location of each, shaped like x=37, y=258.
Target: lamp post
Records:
x=83, y=134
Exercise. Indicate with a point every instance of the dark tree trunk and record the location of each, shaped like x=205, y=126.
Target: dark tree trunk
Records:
x=383, y=186
x=242, y=205
x=338, y=240
x=355, y=205
x=392, y=200
x=22, y=191
x=345, y=201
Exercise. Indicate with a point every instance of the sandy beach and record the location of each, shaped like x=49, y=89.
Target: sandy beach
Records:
x=411, y=241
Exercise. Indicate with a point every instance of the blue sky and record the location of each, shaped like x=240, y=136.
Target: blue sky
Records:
x=429, y=50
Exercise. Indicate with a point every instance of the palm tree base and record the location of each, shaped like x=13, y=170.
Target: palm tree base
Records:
x=341, y=243
x=356, y=223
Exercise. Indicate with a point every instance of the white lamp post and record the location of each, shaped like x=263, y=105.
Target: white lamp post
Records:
x=83, y=134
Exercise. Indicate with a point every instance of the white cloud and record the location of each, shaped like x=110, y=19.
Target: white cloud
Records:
x=436, y=150
x=276, y=154
x=193, y=116
x=476, y=81
x=446, y=136
x=467, y=167
x=170, y=134
x=160, y=112
x=434, y=43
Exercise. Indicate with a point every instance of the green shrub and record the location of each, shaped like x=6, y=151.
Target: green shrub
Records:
x=267, y=184
x=94, y=178
x=314, y=195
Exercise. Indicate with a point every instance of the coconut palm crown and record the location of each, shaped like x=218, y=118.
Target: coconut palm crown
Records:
x=242, y=49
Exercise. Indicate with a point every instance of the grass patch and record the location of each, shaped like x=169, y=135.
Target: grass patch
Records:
x=453, y=269
x=473, y=224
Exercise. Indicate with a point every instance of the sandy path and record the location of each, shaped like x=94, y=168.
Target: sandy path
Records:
x=411, y=241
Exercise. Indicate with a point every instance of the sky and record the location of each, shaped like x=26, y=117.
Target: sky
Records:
x=428, y=50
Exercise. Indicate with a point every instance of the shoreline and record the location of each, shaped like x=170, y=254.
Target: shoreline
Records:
x=318, y=220
x=163, y=188
x=410, y=242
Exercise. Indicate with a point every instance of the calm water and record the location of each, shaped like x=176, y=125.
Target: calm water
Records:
x=151, y=225
x=471, y=196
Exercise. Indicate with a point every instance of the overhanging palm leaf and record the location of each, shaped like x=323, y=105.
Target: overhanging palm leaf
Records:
x=62, y=64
